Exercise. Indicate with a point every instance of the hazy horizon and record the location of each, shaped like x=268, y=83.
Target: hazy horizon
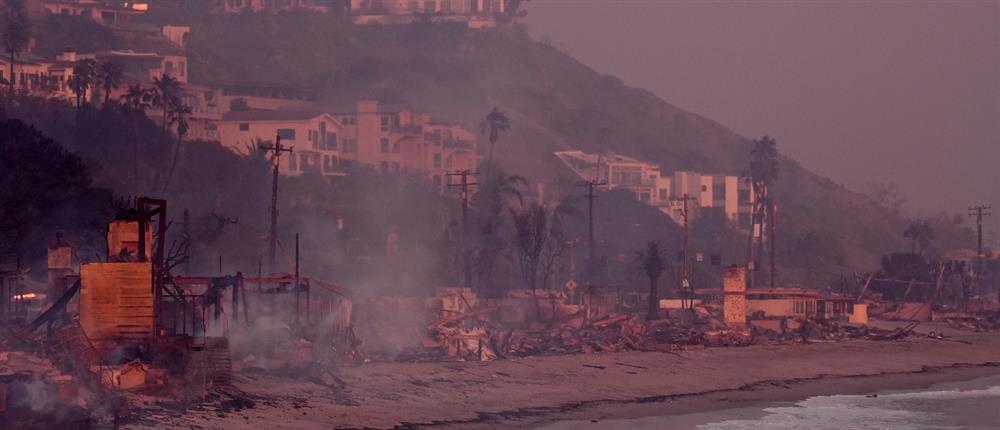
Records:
x=901, y=92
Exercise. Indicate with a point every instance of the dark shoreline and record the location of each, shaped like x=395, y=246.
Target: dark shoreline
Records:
x=786, y=390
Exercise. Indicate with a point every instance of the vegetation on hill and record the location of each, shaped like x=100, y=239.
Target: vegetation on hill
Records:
x=44, y=189
x=553, y=102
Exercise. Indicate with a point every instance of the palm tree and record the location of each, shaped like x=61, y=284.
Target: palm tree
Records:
x=495, y=123
x=762, y=174
x=16, y=34
x=486, y=222
x=652, y=262
x=178, y=118
x=165, y=95
x=920, y=235
x=532, y=231
x=134, y=104
x=84, y=77
x=135, y=99
x=109, y=76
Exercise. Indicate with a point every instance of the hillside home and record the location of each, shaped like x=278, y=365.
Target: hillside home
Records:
x=176, y=34
x=41, y=77
x=209, y=102
x=31, y=73
x=264, y=95
x=237, y=6
x=391, y=139
x=399, y=139
x=476, y=13
x=206, y=111
x=664, y=192
x=144, y=66
x=620, y=172
x=102, y=11
x=730, y=193
x=313, y=136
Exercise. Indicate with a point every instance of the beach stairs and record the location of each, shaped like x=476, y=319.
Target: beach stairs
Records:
x=211, y=363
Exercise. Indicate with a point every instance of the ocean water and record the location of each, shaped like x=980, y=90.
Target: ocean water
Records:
x=971, y=404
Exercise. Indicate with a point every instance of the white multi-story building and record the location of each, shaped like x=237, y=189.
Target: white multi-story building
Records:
x=665, y=192
x=476, y=13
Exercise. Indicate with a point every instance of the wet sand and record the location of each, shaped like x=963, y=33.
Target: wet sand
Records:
x=534, y=391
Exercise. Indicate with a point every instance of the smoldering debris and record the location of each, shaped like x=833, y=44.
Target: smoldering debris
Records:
x=126, y=341
x=457, y=325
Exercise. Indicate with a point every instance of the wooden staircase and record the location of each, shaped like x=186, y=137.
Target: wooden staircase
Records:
x=211, y=362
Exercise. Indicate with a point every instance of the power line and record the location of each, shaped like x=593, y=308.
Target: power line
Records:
x=685, y=267
x=590, y=196
x=464, y=185
x=979, y=212
x=276, y=150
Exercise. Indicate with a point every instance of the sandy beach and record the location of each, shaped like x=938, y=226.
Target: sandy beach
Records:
x=534, y=391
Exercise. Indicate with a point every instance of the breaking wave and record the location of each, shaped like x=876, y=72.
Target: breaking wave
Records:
x=927, y=410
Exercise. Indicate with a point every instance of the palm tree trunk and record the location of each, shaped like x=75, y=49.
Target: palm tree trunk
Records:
x=654, y=303
x=489, y=160
x=750, y=257
x=135, y=155
x=10, y=79
x=173, y=164
x=534, y=294
x=489, y=157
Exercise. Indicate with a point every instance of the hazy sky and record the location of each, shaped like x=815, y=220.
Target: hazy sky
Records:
x=907, y=91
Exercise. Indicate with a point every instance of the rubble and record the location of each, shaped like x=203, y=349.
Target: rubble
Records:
x=978, y=322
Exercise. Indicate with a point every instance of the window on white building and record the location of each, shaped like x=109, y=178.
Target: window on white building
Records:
x=286, y=133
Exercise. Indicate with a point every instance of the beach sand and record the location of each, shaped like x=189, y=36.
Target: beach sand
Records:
x=533, y=391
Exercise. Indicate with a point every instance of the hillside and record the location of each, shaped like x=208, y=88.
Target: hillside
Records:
x=554, y=102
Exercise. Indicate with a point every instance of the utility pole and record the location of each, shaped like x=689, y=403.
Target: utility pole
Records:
x=187, y=240
x=758, y=224
x=591, y=186
x=572, y=258
x=771, y=240
x=979, y=212
x=464, y=196
x=685, y=270
x=276, y=151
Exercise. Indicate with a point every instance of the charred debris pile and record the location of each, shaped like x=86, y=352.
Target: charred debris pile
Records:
x=125, y=340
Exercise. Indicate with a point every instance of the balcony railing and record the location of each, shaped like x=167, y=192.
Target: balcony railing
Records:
x=458, y=144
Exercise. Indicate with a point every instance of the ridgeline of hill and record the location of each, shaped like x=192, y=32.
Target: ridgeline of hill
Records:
x=554, y=103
